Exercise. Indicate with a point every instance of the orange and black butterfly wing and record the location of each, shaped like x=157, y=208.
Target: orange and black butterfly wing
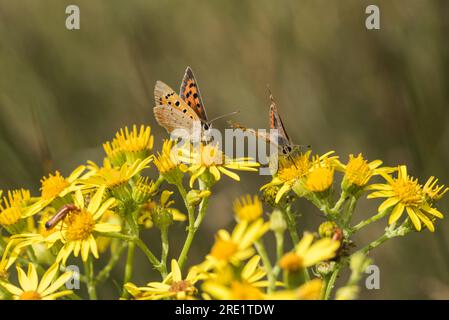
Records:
x=190, y=93
x=276, y=123
x=171, y=112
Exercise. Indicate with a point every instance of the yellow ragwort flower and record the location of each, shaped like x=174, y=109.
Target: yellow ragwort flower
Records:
x=169, y=158
x=307, y=253
x=358, y=171
x=236, y=247
x=247, y=208
x=251, y=273
x=237, y=290
x=13, y=210
x=405, y=193
x=32, y=289
x=210, y=159
x=129, y=145
x=174, y=286
x=55, y=186
x=79, y=227
x=320, y=178
x=297, y=169
x=116, y=179
x=311, y=290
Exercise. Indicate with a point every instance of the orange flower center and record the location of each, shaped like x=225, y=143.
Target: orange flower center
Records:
x=179, y=286
x=223, y=249
x=80, y=225
x=408, y=191
x=291, y=262
x=357, y=171
x=245, y=291
x=30, y=295
x=289, y=170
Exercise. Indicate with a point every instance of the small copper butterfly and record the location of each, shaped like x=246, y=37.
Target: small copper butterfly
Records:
x=173, y=111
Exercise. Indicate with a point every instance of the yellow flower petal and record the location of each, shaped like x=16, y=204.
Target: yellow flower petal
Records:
x=24, y=281
x=285, y=188
x=250, y=267
x=230, y=174
x=305, y=243
x=48, y=278
x=85, y=248
x=425, y=220
x=176, y=271
x=11, y=288
x=396, y=213
x=414, y=218
x=95, y=202
x=58, y=283
x=107, y=227
x=215, y=172
x=388, y=203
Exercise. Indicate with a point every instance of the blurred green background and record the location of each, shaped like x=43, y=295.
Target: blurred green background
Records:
x=339, y=87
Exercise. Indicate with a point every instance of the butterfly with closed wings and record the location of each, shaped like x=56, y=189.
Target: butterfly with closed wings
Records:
x=173, y=111
x=286, y=148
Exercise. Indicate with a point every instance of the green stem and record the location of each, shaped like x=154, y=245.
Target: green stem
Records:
x=366, y=222
x=151, y=257
x=330, y=285
x=326, y=279
x=106, y=271
x=279, y=245
x=340, y=202
x=366, y=249
x=89, y=273
x=291, y=226
x=128, y=268
x=279, y=253
x=120, y=236
x=260, y=247
x=194, y=227
x=164, y=255
x=190, y=209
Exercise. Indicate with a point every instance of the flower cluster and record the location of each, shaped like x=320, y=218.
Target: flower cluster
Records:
x=104, y=209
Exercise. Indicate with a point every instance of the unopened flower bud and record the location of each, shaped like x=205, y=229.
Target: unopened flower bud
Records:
x=269, y=195
x=327, y=229
x=194, y=197
x=277, y=222
x=162, y=218
x=325, y=268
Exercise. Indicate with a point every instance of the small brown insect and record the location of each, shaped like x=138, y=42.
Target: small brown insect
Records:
x=61, y=214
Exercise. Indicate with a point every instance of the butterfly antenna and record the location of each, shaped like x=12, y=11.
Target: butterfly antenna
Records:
x=307, y=146
x=271, y=94
x=292, y=160
x=224, y=116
